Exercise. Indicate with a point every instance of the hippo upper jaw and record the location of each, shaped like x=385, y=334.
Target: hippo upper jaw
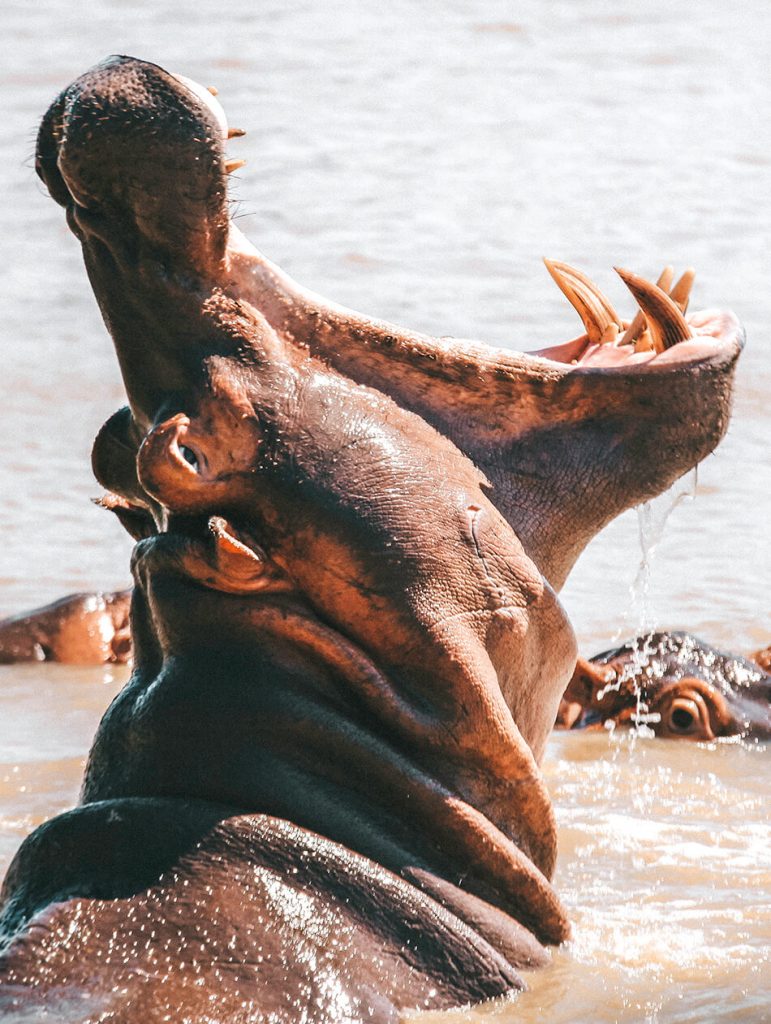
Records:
x=108, y=149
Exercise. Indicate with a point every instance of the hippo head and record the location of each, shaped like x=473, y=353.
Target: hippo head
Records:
x=350, y=536
x=677, y=685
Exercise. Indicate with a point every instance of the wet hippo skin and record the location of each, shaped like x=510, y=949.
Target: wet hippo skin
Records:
x=348, y=646
x=677, y=685
x=80, y=629
x=203, y=897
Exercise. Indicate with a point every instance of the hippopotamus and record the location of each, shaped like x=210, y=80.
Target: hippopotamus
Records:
x=318, y=798
x=674, y=683
x=80, y=629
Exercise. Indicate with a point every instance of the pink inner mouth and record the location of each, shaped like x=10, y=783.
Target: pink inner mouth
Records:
x=714, y=332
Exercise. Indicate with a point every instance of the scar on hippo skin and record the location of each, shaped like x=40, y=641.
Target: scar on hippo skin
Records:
x=347, y=636
x=674, y=683
x=81, y=629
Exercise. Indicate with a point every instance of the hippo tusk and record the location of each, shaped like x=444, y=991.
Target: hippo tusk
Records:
x=635, y=330
x=228, y=544
x=598, y=316
x=236, y=133
x=682, y=290
x=666, y=323
x=233, y=165
x=241, y=565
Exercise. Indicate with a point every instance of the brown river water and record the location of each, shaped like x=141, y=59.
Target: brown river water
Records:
x=415, y=160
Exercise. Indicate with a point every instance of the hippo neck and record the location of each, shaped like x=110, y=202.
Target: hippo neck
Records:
x=288, y=709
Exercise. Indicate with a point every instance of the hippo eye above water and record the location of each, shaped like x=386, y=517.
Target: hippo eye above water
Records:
x=189, y=456
x=687, y=716
x=682, y=719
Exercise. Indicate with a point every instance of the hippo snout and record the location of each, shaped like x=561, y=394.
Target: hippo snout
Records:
x=131, y=141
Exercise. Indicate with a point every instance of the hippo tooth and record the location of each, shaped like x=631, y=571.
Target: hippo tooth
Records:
x=634, y=331
x=228, y=543
x=644, y=343
x=666, y=323
x=236, y=133
x=213, y=90
x=681, y=291
x=233, y=165
x=597, y=314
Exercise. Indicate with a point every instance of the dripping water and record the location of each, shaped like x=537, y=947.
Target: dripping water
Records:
x=640, y=616
x=652, y=518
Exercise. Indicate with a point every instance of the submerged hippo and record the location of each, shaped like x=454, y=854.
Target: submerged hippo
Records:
x=318, y=797
x=80, y=629
x=674, y=683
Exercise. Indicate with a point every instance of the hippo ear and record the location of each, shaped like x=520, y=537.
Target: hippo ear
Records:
x=587, y=680
x=135, y=520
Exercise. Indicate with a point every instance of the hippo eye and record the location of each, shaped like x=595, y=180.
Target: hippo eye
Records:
x=189, y=456
x=687, y=716
x=682, y=720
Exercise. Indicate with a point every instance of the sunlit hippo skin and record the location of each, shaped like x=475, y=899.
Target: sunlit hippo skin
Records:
x=80, y=629
x=318, y=797
x=89, y=628
x=763, y=658
x=677, y=685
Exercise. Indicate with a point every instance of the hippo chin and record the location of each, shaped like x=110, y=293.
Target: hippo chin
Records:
x=677, y=685
x=318, y=797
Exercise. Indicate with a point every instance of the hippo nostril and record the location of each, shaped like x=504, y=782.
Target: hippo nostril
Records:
x=190, y=457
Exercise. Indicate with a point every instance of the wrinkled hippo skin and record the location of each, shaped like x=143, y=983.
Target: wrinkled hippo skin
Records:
x=208, y=889
x=318, y=796
x=679, y=686
x=81, y=629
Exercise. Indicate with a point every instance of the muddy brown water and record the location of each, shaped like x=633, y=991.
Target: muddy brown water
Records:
x=415, y=161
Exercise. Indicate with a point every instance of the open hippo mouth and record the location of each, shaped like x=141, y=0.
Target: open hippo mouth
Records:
x=350, y=535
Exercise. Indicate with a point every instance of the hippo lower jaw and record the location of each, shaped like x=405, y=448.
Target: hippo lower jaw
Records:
x=541, y=401
x=714, y=336
x=215, y=554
